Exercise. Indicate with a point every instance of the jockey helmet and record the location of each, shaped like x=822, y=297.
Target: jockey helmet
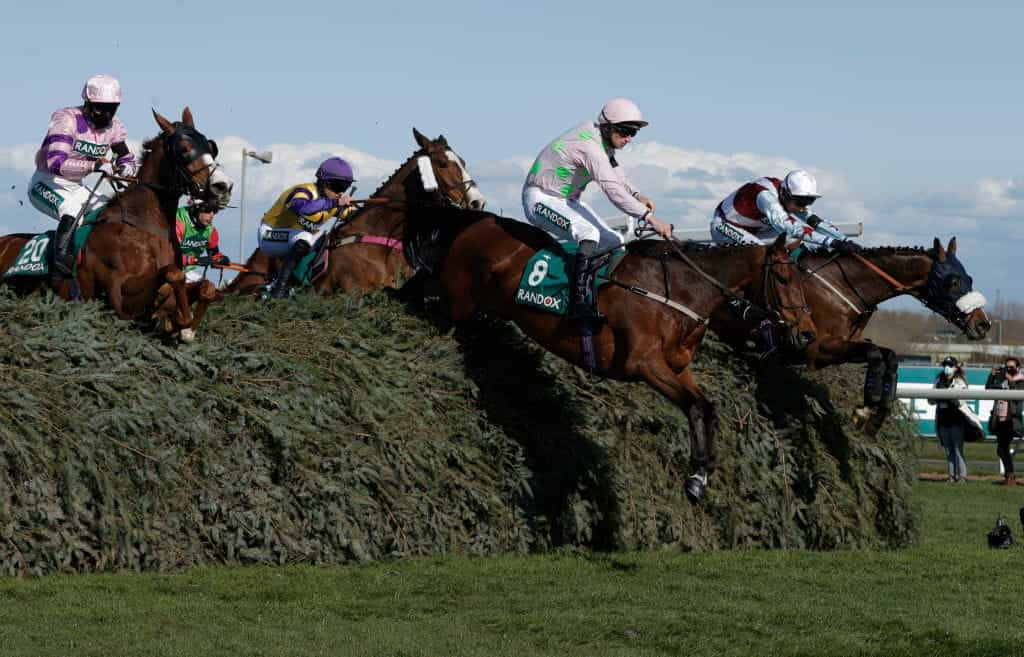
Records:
x=102, y=89
x=800, y=187
x=102, y=95
x=335, y=168
x=621, y=111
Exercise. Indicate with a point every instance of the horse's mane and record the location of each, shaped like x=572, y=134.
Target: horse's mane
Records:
x=657, y=246
x=395, y=172
x=897, y=250
x=887, y=251
x=147, y=148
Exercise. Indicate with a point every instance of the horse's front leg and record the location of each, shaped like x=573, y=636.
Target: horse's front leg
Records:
x=183, y=316
x=879, y=380
x=701, y=415
x=206, y=293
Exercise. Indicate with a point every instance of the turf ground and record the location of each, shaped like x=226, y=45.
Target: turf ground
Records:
x=950, y=595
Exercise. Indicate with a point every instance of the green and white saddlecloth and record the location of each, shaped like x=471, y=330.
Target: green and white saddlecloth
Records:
x=34, y=257
x=545, y=281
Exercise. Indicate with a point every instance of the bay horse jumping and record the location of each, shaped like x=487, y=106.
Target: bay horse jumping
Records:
x=656, y=305
x=843, y=292
x=131, y=256
x=366, y=252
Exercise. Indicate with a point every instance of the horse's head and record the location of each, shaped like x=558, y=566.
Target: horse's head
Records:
x=191, y=159
x=784, y=293
x=443, y=173
x=949, y=291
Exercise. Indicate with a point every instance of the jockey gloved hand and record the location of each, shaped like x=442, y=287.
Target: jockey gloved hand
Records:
x=223, y=260
x=659, y=226
x=846, y=247
x=205, y=261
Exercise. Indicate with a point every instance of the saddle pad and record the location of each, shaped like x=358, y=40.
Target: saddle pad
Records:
x=544, y=284
x=34, y=259
x=313, y=265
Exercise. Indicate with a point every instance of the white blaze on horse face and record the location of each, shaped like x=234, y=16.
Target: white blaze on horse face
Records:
x=474, y=197
x=426, y=170
x=219, y=181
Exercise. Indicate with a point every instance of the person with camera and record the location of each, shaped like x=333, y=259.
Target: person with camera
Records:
x=950, y=421
x=1006, y=421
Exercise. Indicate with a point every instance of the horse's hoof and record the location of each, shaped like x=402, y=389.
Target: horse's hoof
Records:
x=188, y=335
x=861, y=415
x=695, y=487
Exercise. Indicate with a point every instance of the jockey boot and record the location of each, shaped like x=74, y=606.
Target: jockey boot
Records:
x=279, y=288
x=63, y=258
x=579, y=307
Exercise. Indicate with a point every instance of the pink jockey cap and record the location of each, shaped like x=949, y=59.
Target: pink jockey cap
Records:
x=621, y=110
x=102, y=89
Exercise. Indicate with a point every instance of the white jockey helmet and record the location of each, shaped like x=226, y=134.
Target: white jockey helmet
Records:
x=102, y=89
x=800, y=183
x=621, y=110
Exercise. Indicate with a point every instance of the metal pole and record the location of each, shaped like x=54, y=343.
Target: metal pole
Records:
x=241, y=214
x=903, y=392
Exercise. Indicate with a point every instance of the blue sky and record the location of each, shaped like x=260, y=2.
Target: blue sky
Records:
x=907, y=112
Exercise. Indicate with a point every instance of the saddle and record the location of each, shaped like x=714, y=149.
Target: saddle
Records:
x=36, y=257
x=313, y=265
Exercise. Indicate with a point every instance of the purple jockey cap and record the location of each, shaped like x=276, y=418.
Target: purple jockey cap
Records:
x=334, y=168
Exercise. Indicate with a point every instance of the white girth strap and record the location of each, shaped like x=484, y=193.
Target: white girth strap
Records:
x=670, y=303
x=837, y=293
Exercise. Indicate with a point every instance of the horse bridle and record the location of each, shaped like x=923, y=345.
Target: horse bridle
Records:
x=183, y=161
x=769, y=263
x=773, y=299
x=946, y=308
x=463, y=187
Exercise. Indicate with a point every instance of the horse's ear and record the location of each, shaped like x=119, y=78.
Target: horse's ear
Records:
x=186, y=117
x=164, y=124
x=441, y=140
x=421, y=139
x=940, y=253
x=779, y=246
x=951, y=249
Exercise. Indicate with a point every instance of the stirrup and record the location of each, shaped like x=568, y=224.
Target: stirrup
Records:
x=696, y=486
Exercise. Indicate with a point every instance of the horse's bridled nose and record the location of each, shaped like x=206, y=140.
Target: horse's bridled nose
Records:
x=221, y=188
x=806, y=338
x=984, y=325
x=476, y=204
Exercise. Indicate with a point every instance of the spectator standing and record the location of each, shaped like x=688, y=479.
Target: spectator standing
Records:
x=1006, y=420
x=950, y=423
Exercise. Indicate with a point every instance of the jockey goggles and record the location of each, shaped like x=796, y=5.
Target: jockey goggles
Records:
x=336, y=185
x=625, y=129
x=804, y=201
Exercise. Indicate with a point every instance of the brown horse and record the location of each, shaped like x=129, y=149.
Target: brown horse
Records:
x=843, y=292
x=365, y=251
x=656, y=306
x=131, y=256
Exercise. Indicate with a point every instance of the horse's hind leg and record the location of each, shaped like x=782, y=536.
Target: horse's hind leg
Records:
x=703, y=420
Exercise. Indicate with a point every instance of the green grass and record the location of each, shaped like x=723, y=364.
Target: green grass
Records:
x=950, y=595
x=981, y=457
